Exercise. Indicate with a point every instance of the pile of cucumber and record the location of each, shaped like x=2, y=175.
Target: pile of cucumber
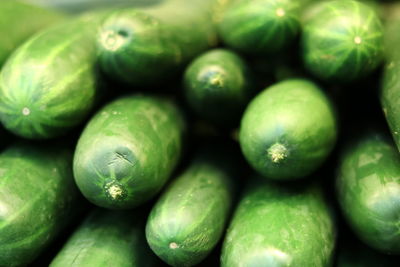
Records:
x=200, y=133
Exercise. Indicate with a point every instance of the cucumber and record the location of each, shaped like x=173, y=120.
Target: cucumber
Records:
x=342, y=41
x=368, y=189
x=277, y=225
x=390, y=85
x=38, y=197
x=49, y=84
x=288, y=130
x=107, y=238
x=189, y=218
x=260, y=26
x=150, y=45
x=217, y=85
x=128, y=150
x=18, y=21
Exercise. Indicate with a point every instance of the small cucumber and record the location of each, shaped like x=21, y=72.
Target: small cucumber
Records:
x=288, y=130
x=368, y=189
x=107, y=238
x=342, y=41
x=260, y=26
x=49, y=84
x=38, y=197
x=277, y=225
x=18, y=21
x=189, y=218
x=150, y=45
x=217, y=85
x=128, y=150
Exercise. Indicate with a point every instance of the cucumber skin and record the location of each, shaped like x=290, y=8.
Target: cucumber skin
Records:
x=368, y=189
x=221, y=103
x=192, y=212
x=338, y=58
x=119, y=233
x=50, y=83
x=18, y=21
x=150, y=46
x=250, y=26
x=38, y=197
x=276, y=225
x=297, y=114
x=131, y=144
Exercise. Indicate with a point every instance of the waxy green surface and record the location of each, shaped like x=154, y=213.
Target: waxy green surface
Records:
x=49, y=84
x=218, y=85
x=18, y=21
x=288, y=130
x=38, y=197
x=108, y=238
x=189, y=218
x=342, y=41
x=276, y=225
x=260, y=26
x=368, y=189
x=128, y=150
x=149, y=46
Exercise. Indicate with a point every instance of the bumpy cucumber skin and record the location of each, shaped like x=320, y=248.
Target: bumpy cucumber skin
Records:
x=189, y=218
x=149, y=46
x=342, y=52
x=49, y=84
x=276, y=225
x=38, y=197
x=368, y=189
x=296, y=118
x=260, y=26
x=18, y=21
x=107, y=238
x=217, y=85
x=128, y=150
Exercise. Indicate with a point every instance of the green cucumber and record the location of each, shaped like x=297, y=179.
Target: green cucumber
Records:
x=217, y=85
x=38, y=197
x=189, y=218
x=277, y=225
x=342, y=40
x=288, y=130
x=49, y=84
x=390, y=86
x=18, y=21
x=107, y=238
x=150, y=45
x=260, y=26
x=368, y=189
x=128, y=150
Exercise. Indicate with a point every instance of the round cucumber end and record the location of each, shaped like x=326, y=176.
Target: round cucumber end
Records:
x=112, y=40
x=277, y=152
x=173, y=245
x=115, y=191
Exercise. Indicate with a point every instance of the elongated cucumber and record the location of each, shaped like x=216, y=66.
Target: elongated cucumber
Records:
x=128, y=150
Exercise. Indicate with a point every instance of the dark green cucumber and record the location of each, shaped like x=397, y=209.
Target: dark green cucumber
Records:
x=150, y=45
x=189, y=219
x=390, y=86
x=49, y=84
x=260, y=26
x=288, y=130
x=38, y=197
x=108, y=238
x=128, y=150
x=18, y=21
x=276, y=225
x=342, y=40
x=217, y=85
x=368, y=189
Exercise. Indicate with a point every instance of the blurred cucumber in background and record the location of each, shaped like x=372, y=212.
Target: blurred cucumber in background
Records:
x=77, y=6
